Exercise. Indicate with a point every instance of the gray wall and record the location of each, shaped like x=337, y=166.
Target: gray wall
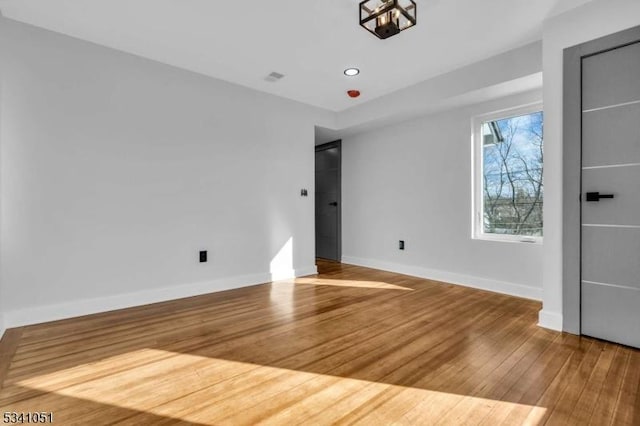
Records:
x=2, y=67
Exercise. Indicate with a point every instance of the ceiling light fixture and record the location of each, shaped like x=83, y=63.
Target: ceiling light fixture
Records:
x=386, y=18
x=351, y=72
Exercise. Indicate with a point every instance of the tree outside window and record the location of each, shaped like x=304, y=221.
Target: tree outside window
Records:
x=512, y=167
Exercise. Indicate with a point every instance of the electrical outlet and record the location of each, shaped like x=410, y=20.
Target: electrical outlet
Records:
x=401, y=244
x=203, y=256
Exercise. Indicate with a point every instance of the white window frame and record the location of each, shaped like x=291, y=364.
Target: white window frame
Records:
x=477, y=173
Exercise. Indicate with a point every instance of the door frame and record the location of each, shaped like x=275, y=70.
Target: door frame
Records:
x=572, y=169
x=322, y=147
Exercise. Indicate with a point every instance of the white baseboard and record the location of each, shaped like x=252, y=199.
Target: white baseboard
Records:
x=40, y=314
x=550, y=320
x=450, y=277
x=303, y=272
x=287, y=274
x=283, y=274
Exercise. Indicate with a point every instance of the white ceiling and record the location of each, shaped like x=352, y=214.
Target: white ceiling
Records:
x=311, y=42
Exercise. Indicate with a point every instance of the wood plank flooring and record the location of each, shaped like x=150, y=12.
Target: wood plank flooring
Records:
x=349, y=346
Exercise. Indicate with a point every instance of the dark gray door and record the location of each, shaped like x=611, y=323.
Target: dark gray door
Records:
x=328, y=203
x=611, y=195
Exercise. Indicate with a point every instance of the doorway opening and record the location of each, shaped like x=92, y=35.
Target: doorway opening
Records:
x=328, y=207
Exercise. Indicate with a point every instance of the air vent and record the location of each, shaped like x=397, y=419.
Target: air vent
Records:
x=274, y=76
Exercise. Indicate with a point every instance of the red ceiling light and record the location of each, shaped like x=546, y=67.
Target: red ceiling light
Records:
x=353, y=93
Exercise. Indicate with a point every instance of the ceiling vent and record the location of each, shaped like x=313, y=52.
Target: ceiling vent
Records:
x=274, y=76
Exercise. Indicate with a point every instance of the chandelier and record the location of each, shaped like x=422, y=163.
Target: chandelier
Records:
x=386, y=18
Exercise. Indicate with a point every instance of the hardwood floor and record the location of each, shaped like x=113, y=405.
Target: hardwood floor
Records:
x=350, y=346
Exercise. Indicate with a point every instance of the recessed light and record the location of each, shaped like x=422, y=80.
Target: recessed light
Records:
x=351, y=72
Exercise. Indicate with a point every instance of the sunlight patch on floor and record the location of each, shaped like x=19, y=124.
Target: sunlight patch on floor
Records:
x=351, y=283
x=213, y=391
x=281, y=297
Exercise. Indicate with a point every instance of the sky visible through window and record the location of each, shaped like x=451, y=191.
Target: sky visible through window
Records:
x=512, y=163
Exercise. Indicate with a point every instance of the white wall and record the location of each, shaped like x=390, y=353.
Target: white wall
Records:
x=2, y=67
x=591, y=21
x=412, y=181
x=116, y=171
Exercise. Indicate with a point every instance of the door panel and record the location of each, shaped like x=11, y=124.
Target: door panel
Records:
x=613, y=255
x=611, y=136
x=328, y=183
x=328, y=201
x=617, y=325
x=610, y=288
x=624, y=184
x=611, y=78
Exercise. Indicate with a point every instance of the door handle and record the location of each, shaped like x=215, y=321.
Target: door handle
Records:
x=596, y=196
x=334, y=203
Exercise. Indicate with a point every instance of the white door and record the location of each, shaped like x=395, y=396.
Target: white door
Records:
x=610, y=294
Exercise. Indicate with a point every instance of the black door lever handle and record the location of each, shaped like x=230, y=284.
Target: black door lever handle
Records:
x=335, y=203
x=596, y=196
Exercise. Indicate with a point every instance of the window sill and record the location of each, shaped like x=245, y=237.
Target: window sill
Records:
x=509, y=239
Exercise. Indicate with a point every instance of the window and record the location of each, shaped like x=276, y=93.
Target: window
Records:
x=508, y=169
